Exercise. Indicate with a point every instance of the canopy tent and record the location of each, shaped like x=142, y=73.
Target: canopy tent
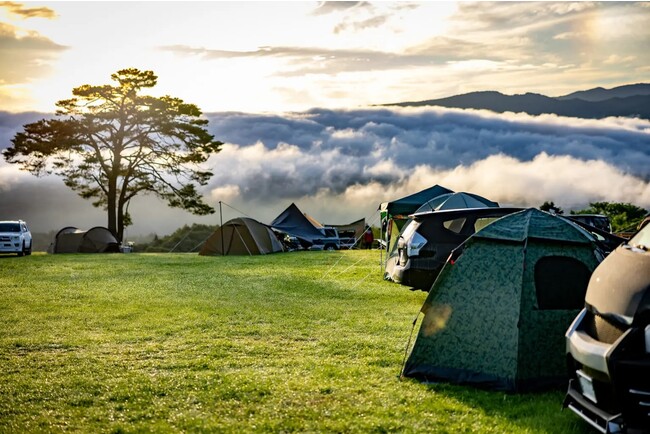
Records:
x=293, y=222
x=95, y=240
x=408, y=204
x=497, y=313
x=394, y=214
x=460, y=200
x=241, y=236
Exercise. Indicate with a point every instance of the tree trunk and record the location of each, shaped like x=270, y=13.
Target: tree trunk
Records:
x=120, y=220
x=111, y=206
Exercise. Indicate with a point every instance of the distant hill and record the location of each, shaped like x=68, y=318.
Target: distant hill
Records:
x=602, y=94
x=626, y=101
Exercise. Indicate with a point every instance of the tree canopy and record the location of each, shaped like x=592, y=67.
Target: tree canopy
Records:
x=551, y=207
x=109, y=143
x=623, y=216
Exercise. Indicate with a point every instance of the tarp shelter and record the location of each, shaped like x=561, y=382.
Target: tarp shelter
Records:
x=241, y=236
x=497, y=313
x=394, y=214
x=353, y=230
x=460, y=200
x=293, y=222
x=95, y=240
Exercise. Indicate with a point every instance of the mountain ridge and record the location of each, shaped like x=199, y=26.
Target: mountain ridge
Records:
x=622, y=101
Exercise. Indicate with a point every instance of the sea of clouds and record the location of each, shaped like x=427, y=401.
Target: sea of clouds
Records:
x=339, y=165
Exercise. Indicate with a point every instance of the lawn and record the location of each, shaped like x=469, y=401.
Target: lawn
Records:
x=294, y=342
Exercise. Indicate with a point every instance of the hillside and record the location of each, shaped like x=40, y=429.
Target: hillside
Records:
x=623, y=101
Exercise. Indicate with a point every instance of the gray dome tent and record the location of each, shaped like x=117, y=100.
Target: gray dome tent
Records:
x=94, y=240
x=460, y=200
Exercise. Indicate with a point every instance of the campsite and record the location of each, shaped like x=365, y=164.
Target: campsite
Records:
x=274, y=343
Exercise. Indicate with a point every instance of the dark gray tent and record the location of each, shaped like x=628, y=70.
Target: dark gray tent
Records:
x=94, y=240
x=497, y=313
x=294, y=223
x=241, y=236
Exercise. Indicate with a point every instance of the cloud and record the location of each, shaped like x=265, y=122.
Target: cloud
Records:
x=338, y=165
x=328, y=7
x=315, y=60
x=25, y=12
x=30, y=54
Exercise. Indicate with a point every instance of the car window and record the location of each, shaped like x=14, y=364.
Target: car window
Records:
x=455, y=225
x=9, y=227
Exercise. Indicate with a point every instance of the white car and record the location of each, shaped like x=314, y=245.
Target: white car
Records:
x=15, y=237
x=608, y=344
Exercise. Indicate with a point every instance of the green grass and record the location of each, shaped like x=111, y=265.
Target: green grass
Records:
x=296, y=342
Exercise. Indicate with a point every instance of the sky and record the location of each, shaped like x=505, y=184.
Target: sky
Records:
x=290, y=88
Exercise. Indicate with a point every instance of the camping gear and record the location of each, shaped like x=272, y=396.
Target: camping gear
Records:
x=459, y=200
x=95, y=240
x=427, y=240
x=241, y=236
x=394, y=214
x=496, y=315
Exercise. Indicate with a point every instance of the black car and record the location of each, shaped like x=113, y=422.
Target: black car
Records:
x=427, y=240
x=608, y=344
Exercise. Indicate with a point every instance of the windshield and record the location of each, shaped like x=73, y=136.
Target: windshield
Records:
x=642, y=239
x=9, y=227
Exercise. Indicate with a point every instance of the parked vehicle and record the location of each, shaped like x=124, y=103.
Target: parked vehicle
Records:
x=608, y=344
x=598, y=221
x=15, y=237
x=329, y=241
x=427, y=240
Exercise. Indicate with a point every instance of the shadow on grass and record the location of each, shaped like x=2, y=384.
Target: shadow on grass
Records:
x=9, y=256
x=532, y=411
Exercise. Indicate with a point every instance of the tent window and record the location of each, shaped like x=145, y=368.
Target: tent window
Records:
x=561, y=283
x=455, y=225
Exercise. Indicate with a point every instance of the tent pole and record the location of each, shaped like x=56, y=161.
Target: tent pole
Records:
x=243, y=242
x=223, y=253
x=381, y=240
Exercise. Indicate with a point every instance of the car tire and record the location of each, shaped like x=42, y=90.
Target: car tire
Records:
x=330, y=247
x=22, y=252
x=27, y=252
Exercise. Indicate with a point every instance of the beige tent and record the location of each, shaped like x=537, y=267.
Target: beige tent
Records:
x=94, y=240
x=241, y=236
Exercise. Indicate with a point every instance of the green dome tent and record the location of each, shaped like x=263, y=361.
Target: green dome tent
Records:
x=497, y=313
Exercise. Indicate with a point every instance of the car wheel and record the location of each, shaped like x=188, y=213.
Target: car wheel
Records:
x=27, y=252
x=330, y=247
x=22, y=252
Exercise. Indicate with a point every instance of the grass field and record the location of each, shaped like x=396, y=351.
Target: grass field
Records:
x=295, y=342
